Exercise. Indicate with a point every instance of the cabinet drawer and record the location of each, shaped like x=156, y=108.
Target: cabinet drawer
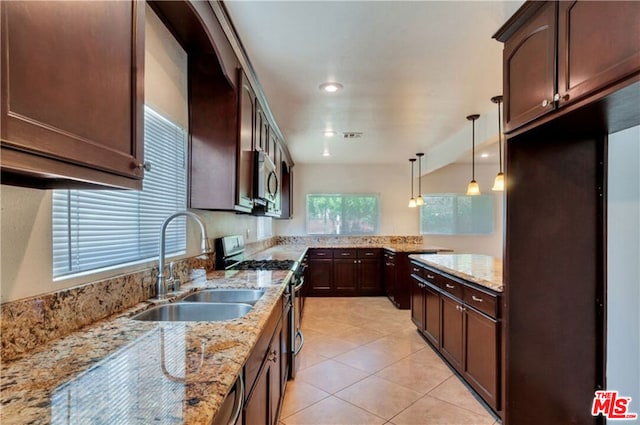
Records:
x=452, y=287
x=482, y=301
x=416, y=269
x=433, y=278
x=369, y=253
x=344, y=253
x=321, y=253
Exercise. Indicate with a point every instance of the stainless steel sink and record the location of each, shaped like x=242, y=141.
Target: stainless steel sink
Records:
x=246, y=296
x=194, y=312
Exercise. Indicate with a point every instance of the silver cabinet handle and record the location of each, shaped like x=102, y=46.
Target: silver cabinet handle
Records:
x=368, y=253
x=416, y=270
x=449, y=286
x=345, y=253
x=473, y=297
x=355, y=262
x=299, y=335
x=546, y=103
x=320, y=254
x=239, y=401
x=430, y=276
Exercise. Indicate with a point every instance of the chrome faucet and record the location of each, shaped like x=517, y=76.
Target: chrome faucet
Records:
x=205, y=247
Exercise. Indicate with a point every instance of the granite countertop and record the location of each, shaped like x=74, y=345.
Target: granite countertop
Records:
x=119, y=370
x=480, y=269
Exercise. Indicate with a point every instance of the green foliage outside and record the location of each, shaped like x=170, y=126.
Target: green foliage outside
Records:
x=342, y=214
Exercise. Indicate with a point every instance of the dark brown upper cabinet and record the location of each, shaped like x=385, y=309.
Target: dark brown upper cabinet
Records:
x=560, y=53
x=72, y=94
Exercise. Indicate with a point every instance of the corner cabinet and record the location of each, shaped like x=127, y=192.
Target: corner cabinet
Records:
x=463, y=323
x=72, y=94
x=559, y=53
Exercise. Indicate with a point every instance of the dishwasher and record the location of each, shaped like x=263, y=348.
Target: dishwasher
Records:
x=230, y=412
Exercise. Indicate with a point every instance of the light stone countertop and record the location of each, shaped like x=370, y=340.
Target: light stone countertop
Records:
x=119, y=370
x=480, y=269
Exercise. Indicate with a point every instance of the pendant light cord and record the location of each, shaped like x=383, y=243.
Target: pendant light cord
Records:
x=473, y=150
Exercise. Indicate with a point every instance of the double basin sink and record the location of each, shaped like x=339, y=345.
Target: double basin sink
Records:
x=209, y=305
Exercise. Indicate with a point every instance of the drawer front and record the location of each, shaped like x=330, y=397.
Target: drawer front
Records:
x=482, y=301
x=433, y=278
x=416, y=269
x=369, y=253
x=344, y=253
x=452, y=287
x=321, y=253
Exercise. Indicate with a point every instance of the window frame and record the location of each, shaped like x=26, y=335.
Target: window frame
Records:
x=376, y=224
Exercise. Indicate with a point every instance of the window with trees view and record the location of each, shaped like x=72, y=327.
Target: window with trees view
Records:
x=343, y=214
x=454, y=214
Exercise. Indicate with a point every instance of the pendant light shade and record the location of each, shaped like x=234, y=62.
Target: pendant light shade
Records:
x=419, y=200
x=498, y=183
x=473, y=188
x=412, y=201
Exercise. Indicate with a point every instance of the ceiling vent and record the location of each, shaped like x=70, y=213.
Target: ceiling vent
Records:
x=352, y=135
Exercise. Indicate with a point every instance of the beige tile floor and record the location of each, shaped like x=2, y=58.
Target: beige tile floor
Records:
x=363, y=362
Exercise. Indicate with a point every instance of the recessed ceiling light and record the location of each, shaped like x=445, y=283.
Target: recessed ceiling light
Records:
x=484, y=155
x=326, y=152
x=331, y=87
x=330, y=133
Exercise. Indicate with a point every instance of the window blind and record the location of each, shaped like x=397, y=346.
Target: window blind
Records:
x=101, y=228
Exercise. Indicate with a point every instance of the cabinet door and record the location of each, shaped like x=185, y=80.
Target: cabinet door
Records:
x=389, y=275
x=481, y=355
x=432, y=315
x=246, y=140
x=369, y=277
x=451, y=343
x=417, y=304
x=598, y=45
x=276, y=388
x=344, y=276
x=320, y=277
x=72, y=90
x=529, y=69
x=261, y=129
x=257, y=406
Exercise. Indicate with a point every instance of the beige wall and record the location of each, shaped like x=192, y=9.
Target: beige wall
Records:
x=454, y=179
x=392, y=183
x=26, y=252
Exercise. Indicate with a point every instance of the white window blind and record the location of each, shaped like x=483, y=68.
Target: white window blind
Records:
x=454, y=214
x=101, y=228
x=340, y=214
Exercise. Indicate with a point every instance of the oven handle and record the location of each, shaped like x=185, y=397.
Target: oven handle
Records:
x=299, y=286
x=297, y=350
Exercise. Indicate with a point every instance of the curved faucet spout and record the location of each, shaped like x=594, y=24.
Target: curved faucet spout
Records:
x=204, y=247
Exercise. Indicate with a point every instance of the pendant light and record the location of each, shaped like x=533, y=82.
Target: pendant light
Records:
x=498, y=183
x=412, y=201
x=419, y=200
x=473, y=188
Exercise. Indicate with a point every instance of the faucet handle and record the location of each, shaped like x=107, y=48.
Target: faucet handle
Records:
x=174, y=283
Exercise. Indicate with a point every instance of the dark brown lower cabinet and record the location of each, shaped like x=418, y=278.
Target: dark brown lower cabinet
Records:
x=431, y=315
x=264, y=390
x=417, y=304
x=369, y=277
x=452, y=342
x=463, y=324
x=481, y=354
x=320, y=273
x=344, y=272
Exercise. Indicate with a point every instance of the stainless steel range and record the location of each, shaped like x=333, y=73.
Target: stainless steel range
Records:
x=230, y=255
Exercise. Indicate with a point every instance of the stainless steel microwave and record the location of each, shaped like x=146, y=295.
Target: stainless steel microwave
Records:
x=265, y=184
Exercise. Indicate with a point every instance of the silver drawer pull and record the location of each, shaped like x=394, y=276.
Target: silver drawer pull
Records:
x=415, y=270
x=344, y=253
x=473, y=297
x=449, y=286
x=368, y=253
x=430, y=276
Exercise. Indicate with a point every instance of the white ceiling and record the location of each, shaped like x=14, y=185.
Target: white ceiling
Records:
x=412, y=72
